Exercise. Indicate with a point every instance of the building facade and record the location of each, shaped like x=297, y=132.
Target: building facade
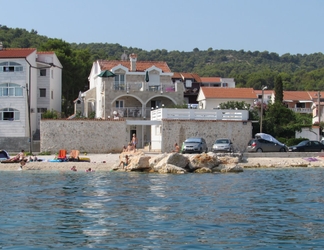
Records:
x=130, y=89
x=30, y=84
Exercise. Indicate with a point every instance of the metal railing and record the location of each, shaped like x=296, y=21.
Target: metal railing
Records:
x=143, y=86
x=200, y=114
x=302, y=110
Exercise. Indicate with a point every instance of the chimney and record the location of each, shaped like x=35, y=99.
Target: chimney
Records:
x=1, y=46
x=133, y=58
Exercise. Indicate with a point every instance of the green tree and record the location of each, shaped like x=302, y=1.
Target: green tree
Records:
x=278, y=88
x=280, y=121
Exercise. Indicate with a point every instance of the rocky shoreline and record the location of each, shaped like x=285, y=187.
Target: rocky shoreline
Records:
x=170, y=163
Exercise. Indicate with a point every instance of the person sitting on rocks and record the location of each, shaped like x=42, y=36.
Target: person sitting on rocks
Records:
x=124, y=163
x=176, y=148
x=130, y=147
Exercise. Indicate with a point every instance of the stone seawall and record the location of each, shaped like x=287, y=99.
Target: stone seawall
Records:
x=178, y=130
x=91, y=136
x=109, y=136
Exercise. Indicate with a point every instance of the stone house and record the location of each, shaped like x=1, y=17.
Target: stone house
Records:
x=130, y=89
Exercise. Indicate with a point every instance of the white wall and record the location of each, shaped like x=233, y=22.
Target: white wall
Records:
x=214, y=103
x=311, y=134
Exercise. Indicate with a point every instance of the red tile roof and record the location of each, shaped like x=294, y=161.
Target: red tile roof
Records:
x=45, y=52
x=228, y=93
x=266, y=92
x=16, y=53
x=210, y=79
x=296, y=95
x=141, y=66
x=176, y=75
x=196, y=77
x=184, y=76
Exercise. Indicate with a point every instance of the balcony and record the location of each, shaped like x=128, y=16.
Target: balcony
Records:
x=302, y=110
x=143, y=86
x=200, y=114
x=132, y=112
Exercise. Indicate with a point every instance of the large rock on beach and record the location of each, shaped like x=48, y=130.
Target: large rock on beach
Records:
x=177, y=163
x=176, y=159
x=171, y=169
x=230, y=168
x=199, y=161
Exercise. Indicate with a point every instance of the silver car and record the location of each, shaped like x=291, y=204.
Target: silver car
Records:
x=223, y=145
x=194, y=145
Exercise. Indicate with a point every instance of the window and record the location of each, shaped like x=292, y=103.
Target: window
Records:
x=42, y=92
x=41, y=110
x=300, y=105
x=42, y=72
x=119, y=104
x=9, y=114
x=52, y=95
x=10, y=67
x=10, y=89
x=119, y=82
x=188, y=83
x=156, y=104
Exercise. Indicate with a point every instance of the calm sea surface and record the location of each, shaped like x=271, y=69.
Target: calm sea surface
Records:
x=256, y=209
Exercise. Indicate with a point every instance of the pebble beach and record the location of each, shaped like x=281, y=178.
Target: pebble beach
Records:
x=108, y=162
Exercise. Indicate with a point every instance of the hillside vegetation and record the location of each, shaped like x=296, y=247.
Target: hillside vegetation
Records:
x=249, y=68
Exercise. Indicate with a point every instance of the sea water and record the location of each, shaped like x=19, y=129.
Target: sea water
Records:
x=256, y=209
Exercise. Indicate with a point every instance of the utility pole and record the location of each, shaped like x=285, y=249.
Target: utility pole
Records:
x=261, y=116
x=319, y=114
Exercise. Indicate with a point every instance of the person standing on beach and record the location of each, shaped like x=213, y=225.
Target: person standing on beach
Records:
x=22, y=155
x=134, y=141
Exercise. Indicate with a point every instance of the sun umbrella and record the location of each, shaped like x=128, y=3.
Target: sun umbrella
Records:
x=106, y=73
x=147, y=79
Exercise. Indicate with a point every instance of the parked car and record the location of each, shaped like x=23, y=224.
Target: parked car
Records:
x=194, y=145
x=307, y=146
x=262, y=145
x=223, y=145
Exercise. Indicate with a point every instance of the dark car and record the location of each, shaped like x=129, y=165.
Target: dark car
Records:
x=194, y=145
x=262, y=145
x=307, y=146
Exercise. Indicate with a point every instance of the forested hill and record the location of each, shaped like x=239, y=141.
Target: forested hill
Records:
x=249, y=69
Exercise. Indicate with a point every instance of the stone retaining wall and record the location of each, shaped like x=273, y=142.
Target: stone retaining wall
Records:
x=91, y=136
x=178, y=130
x=109, y=136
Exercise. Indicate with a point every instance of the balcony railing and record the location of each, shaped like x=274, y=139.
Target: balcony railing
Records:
x=302, y=110
x=132, y=112
x=144, y=86
x=200, y=114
